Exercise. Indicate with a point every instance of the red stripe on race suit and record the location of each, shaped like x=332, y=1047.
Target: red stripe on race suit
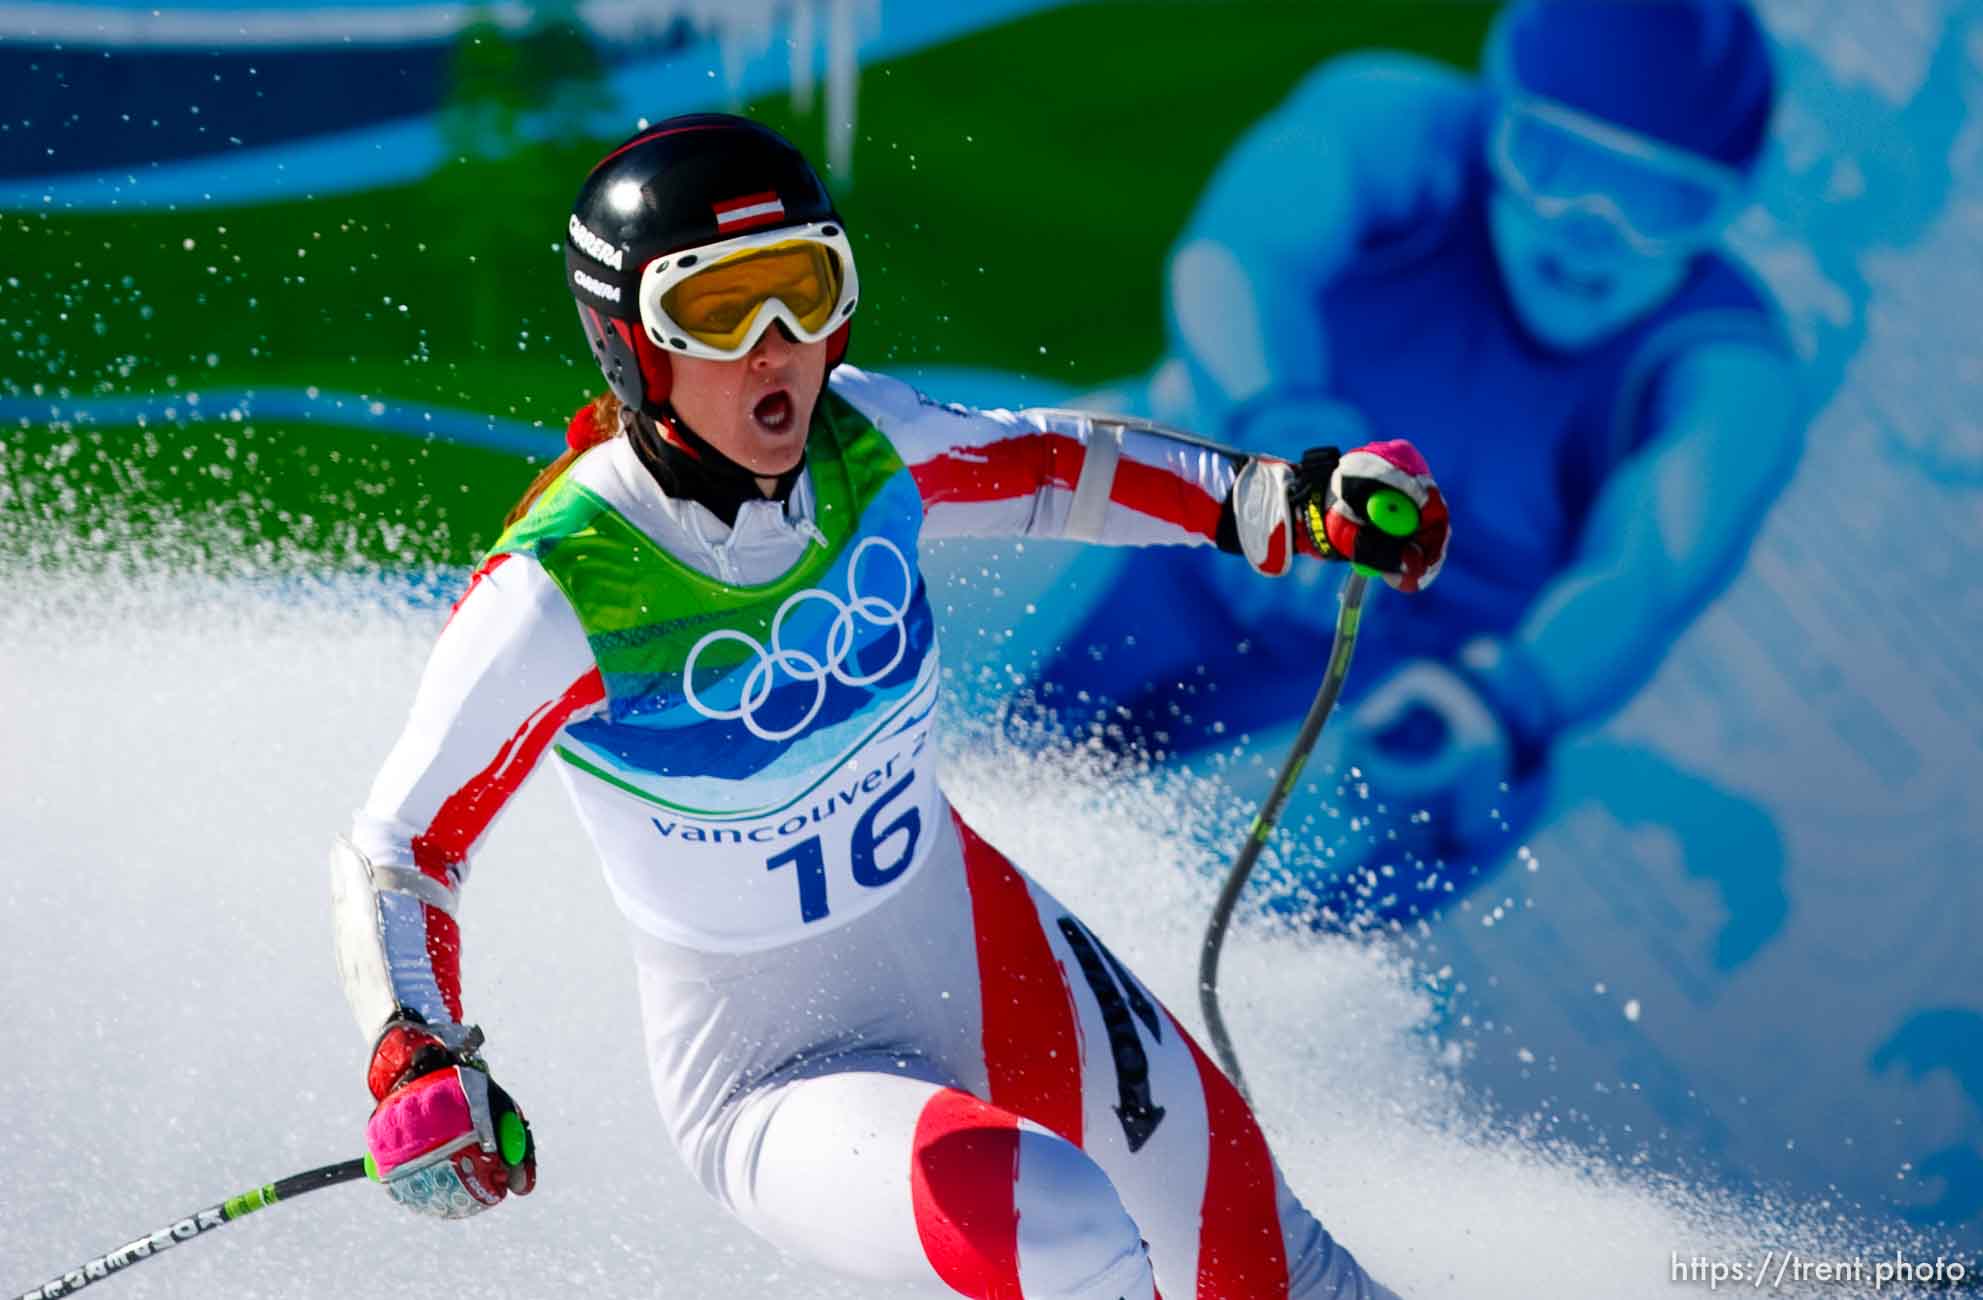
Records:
x=963, y=1168
x=999, y=471
x=1032, y=1054
x=1161, y=494
x=1240, y=1248
x=1022, y=465
x=487, y=567
x=444, y=956
x=466, y=813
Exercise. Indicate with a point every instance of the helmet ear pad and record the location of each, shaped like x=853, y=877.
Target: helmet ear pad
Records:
x=637, y=371
x=836, y=345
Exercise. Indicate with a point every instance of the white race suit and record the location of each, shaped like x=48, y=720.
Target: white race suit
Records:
x=872, y=1037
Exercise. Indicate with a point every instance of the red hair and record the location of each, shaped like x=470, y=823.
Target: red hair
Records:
x=591, y=424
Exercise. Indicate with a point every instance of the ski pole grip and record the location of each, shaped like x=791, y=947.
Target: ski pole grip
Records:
x=1393, y=512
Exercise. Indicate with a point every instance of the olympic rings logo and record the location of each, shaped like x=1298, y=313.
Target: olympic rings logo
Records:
x=799, y=665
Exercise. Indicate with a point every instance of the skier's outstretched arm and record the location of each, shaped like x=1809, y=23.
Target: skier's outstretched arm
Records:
x=1367, y=142
x=1079, y=476
x=511, y=667
x=1663, y=539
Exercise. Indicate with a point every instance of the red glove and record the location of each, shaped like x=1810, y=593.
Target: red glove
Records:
x=1332, y=496
x=443, y=1139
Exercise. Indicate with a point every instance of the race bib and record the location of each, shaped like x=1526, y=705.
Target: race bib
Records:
x=831, y=847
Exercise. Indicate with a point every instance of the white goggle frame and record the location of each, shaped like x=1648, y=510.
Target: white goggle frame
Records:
x=1726, y=182
x=669, y=270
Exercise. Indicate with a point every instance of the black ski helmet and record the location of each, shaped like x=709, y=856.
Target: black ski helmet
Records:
x=656, y=194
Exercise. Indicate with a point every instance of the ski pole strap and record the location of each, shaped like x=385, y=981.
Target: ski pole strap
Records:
x=194, y=1225
x=1348, y=620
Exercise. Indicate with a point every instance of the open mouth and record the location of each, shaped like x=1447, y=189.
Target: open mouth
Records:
x=773, y=411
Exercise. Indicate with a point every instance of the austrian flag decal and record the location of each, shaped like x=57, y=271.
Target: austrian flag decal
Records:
x=749, y=212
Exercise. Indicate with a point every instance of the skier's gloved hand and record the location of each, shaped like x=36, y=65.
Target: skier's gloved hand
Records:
x=1375, y=505
x=443, y=1139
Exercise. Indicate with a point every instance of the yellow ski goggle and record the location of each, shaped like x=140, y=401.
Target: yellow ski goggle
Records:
x=715, y=302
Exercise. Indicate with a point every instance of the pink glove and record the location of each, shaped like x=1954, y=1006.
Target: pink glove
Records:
x=443, y=1139
x=1343, y=511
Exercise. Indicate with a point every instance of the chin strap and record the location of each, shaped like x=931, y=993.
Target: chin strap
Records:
x=689, y=467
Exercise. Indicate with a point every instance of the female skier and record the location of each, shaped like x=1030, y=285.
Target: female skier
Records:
x=872, y=1038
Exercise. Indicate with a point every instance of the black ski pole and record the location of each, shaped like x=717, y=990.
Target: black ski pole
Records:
x=1347, y=620
x=217, y=1216
x=1396, y=514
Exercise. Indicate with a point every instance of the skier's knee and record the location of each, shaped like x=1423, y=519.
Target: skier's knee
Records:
x=1076, y=1242
x=978, y=1174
